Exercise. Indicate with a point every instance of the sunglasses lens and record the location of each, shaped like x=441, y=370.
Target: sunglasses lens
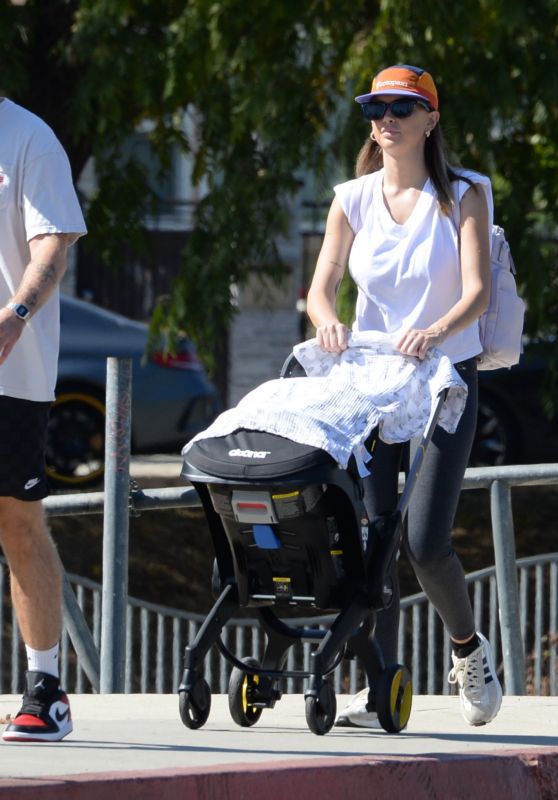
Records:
x=374, y=111
x=403, y=108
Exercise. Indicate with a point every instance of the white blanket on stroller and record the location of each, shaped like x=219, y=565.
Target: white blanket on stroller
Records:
x=346, y=395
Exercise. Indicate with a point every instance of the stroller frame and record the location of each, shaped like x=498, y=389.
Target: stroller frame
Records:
x=372, y=560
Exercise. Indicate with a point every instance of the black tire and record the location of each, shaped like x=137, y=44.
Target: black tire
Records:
x=394, y=698
x=241, y=687
x=497, y=438
x=75, y=449
x=321, y=710
x=195, y=705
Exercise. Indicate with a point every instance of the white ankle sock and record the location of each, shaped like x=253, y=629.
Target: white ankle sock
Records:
x=43, y=660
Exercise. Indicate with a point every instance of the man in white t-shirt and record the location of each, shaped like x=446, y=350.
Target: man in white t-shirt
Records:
x=40, y=218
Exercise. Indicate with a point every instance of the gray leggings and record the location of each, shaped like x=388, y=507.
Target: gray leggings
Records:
x=427, y=539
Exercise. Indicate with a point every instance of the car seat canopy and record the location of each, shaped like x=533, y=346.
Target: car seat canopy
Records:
x=254, y=454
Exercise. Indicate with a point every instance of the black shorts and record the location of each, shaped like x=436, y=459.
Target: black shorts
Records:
x=23, y=432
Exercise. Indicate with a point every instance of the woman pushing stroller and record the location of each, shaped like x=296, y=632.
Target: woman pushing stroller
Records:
x=415, y=233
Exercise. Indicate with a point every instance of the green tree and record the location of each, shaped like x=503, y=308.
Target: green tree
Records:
x=267, y=86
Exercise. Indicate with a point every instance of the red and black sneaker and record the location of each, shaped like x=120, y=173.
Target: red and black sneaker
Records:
x=45, y=713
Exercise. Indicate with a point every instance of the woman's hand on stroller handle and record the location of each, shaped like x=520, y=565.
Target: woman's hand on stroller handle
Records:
x=333, y=337
x=414, y=342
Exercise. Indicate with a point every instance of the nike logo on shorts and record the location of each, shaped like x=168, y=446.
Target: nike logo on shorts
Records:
x=30, y=483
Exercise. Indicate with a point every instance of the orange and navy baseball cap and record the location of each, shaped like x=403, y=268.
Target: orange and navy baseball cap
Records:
x=403, y=80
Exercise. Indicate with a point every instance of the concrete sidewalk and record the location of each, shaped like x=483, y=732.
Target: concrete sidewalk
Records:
x=119, y=740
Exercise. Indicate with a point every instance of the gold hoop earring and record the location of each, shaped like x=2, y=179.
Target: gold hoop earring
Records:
x=372, y=136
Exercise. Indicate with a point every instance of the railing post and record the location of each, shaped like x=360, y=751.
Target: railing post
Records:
x=80, y=634
x=506, y=581
x=116, y=525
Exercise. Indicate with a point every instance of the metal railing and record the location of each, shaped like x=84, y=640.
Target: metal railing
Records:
x=156, y=636
x=497, y=480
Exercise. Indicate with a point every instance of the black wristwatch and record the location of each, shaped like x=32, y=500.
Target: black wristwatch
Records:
x=21, y=311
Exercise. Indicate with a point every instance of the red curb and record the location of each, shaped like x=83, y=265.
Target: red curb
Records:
x=525, y=775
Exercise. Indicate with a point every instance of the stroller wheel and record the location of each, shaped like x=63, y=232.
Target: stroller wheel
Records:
x=394, y=698
x=320, y=711
x=241, y=692
x=194, y=705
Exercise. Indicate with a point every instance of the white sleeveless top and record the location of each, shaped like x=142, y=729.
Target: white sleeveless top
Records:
x=408, y=276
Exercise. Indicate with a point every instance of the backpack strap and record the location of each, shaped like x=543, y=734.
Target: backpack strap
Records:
x=461, y=186
x=455, y=215
x=500, y=250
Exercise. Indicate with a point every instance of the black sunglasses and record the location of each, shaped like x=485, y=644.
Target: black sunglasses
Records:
x=401, y=109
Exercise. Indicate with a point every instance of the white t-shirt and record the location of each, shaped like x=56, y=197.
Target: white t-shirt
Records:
x=37, y=196
x=407, y=275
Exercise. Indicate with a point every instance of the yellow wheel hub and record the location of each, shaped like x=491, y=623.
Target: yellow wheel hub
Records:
x=245, y=704
x=401, y=699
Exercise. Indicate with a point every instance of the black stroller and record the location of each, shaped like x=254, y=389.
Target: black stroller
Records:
x=290, y=531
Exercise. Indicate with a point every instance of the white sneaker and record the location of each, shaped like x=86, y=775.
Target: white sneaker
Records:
x=479, y=688
x=357, y=715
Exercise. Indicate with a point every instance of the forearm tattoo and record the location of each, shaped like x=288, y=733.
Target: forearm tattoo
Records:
x=45, y=278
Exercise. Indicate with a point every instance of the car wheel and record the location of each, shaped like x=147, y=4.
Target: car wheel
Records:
x=75, y=449
x=497, y=438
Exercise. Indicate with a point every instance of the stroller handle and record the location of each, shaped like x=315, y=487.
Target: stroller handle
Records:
x=292, y=367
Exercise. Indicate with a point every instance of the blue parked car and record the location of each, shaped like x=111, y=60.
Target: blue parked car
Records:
x=172, y=397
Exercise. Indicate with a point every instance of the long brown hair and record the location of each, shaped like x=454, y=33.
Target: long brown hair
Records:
x=370, y=159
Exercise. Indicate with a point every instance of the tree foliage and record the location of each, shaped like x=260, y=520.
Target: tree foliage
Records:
x=265, y=87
